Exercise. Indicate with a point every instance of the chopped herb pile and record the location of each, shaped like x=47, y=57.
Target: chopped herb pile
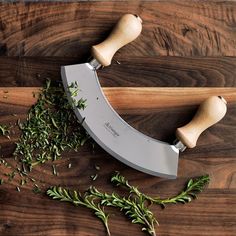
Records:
x=135, y=206
x=51, y=127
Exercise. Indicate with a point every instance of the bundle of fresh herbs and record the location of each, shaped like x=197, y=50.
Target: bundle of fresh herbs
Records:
x=135, y=206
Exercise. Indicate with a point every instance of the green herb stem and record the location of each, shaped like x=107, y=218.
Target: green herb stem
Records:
x=193, y=187
x=135, y=206
x=136, y=210
x=76, y=198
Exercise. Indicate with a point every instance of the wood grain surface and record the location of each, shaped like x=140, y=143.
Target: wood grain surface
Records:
x=180, y=28
x=146, y=71
x=186, y=52
x=137, y=100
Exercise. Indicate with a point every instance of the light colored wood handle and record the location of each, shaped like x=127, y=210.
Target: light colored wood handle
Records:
x=210, y=112
x=126, y=30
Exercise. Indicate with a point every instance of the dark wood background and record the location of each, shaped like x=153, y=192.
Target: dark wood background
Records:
x=187, y=52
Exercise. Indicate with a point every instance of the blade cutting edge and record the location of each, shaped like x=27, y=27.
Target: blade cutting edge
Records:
x=111, y=132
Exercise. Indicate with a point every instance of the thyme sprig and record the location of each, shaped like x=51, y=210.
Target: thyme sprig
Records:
x=135, y=206
x=194, y=186
x=77, y=199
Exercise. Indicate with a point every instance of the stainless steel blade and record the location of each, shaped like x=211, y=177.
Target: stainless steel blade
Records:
x=112, y=133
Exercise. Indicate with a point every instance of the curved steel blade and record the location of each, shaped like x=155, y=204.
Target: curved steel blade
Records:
x=111, y=132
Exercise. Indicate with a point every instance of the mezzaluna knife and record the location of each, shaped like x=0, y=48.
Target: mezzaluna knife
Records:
x=110, y=131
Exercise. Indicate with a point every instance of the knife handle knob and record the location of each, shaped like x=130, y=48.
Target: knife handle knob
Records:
x=127, y=29
x=210, y=112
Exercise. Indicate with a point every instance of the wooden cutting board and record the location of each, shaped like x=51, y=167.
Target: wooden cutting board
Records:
x=187, y=52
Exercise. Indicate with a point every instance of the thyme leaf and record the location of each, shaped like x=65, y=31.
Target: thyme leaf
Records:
x=54, y=170
x=36, y=189
x=73, y=89
x=4, y=130
x=94, y=177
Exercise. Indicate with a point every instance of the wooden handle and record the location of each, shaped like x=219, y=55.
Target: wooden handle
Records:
x=210, y=112
x=126, y=30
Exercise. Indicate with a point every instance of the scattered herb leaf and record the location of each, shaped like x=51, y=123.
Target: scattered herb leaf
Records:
x=36, y=189
x=54, y=170
x=10, y=175
x=94, y=177
x=97, y=167
x=23, y=181
x=32, y=179
x=4, y=130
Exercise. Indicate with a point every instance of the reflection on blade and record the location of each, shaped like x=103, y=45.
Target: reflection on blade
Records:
x=112, y=133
